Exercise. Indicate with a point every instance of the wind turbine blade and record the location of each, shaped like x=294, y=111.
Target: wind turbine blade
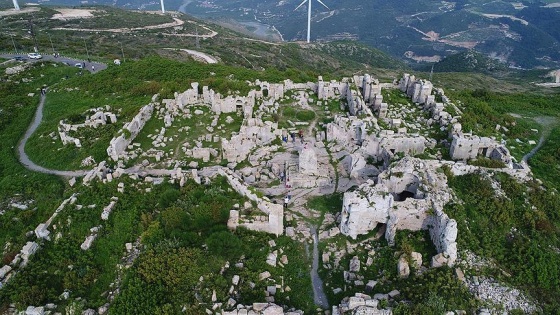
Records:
x=304, y=1
x=321, y=2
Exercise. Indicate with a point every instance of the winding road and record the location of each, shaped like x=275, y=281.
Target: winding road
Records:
x=24, y=158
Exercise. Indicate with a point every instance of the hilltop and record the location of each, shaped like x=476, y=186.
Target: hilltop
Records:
x=211, y=172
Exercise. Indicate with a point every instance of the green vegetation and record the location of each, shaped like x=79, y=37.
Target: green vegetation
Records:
x=418, y=292
x=486, y=162
x=545, y=164
x=326, y=204
x=296, y=114
x=17, y=184
x=469, y=61
x=520, y=236
x=166, y=276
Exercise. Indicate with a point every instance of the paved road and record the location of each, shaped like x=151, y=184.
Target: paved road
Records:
x=65, y=60
x=24, y=159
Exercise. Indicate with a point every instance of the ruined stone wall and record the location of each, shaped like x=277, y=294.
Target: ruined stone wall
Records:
x=409, y=196
x=364, y=209
x=118, y=145
x=469, y=147
x=444, y=236
x=377, y=146
x=331, y=90
x=275, y=212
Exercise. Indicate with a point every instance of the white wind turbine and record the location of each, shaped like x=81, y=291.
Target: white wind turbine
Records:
x=309, y=16
x=16, y=5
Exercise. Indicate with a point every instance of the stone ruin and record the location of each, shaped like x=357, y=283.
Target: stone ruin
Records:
x=100, y=116
x=408, y=196
x=468, y=146
x=253, y=133
x=273, y=220
x=420, y=91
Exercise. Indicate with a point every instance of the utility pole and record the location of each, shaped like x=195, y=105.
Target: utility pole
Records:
x=32, y=33
x=87, y=52
x=13, y=42
x=122, y=51
x=52, y=46
x=432, y=72
x=197, y=39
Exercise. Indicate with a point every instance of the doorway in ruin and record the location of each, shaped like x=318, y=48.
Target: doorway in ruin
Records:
x=405, y=186
x=239, y=105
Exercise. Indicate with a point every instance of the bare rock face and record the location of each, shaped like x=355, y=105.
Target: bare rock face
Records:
x=308, y=161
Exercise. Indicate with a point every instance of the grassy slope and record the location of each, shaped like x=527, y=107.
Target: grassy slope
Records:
x=16, y=183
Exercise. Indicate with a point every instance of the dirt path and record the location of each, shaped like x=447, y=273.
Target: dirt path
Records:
x=548, y=123
x=319, y=296
x=198, y=55
x=176, y=22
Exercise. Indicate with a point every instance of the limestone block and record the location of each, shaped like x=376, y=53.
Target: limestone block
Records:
x=264, y=275
x=235, y=280
x=4, y=271
x=42, y=231
x=416, y=259
x=403, y=267
x=354, y=302
x=32, y=310
x=354, y=264
x=370, y=285
x=88, y=242
x=439, y=260
x=308, y=160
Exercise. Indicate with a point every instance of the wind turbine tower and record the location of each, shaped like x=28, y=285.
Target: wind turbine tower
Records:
x=162, y=7
x=16, y=5
x=308, y=15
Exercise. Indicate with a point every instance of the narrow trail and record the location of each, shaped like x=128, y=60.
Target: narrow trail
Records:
x=319, y=296
x=548, y=124
x=24, y=158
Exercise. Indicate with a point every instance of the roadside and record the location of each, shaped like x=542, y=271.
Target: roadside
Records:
x=91, y=66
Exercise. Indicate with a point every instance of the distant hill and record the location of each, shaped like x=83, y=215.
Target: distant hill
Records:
x=469, y=61
x=522, y=34
x=100, y=34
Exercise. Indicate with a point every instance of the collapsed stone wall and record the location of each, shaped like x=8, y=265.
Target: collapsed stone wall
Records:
x=253, y=133
x=331, y=90
x=101, y=116
x=468, y=147
x=275, y=212
x=118, y=145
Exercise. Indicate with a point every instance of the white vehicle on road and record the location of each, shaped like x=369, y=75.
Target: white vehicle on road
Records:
x=34, y=56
